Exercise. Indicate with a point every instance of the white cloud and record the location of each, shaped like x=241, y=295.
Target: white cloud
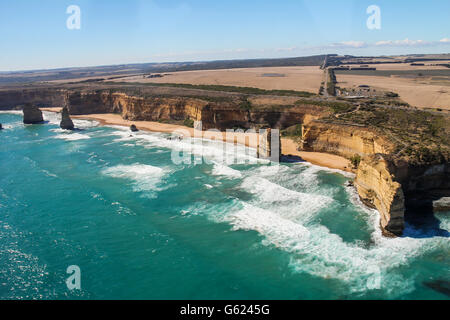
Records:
x=346, y=46
x=286, y=49
x=349, y=44
x=406, y=42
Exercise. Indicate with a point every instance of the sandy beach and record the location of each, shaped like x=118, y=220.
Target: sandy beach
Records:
x=288, y=146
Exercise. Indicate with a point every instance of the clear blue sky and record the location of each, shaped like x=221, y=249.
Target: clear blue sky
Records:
x=34, y=34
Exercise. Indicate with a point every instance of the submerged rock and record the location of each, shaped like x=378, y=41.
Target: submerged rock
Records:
x=442, y=286
x=133, y=128
x=66, y=122
x=32, y=114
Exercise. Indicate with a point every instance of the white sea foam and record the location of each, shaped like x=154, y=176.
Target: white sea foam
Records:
x=223, y=170
x=288, y=203
x=85, y=124
x=52, y=117
x=15, y=124
x=49, y=174
x=12, y=125
x=145, y=178
x=284, y=187
x=318, y=252
x=17, y=112
x=72, y=136
x=210, y=150
x=59, y=130
x=444, y=219
x=317, y=168
x=55, y=119
x=281, y=232
x=283, y=217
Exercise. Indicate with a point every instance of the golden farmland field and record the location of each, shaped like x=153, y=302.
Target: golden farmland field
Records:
x=425, y=86
x=421, y=93
x=270, y=78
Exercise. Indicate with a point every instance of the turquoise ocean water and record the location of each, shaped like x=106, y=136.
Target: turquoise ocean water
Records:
x=141, y=227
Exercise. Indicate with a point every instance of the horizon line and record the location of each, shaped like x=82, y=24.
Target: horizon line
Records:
x=209, y=60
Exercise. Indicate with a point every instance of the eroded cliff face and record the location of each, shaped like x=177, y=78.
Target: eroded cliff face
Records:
x=222, y=115
x=423, y=185
x=343, y=140
x=45, y=97
x=376, y=182
x=134, y=107
x=378, y=188
x=214, y=115
x=395, y=187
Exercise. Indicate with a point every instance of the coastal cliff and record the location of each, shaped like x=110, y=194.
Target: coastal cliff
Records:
x=220, y=115
x=343, y=140
x=375, y=181
x=400, y=156
x=396, y=176
x=42, y=97
x=378, y=189
x=223, y=112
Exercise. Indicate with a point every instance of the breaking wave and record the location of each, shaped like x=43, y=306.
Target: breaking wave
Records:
x=211, y=151
x=55, y=119
x=72, y=136
x=144, y=178
x=284, y=217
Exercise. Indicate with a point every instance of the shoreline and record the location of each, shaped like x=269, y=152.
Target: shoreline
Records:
x=288, y=146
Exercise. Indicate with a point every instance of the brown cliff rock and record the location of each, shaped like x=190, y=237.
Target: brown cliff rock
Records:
x=45, y=97
x=66, y=122
x=378, y=188
x=32, y=114
x=222, y=115
x=343, y=140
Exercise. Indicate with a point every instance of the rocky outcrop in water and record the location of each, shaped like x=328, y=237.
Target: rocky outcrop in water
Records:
x=133, y=128
x=269, y=145
x=66, y=122
x=1, y=126
x=32, y=114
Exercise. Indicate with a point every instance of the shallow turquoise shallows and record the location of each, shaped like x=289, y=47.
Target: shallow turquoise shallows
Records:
x=140, y=226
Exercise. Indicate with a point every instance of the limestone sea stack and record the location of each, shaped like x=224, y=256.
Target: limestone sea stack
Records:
x=66, y=122
x=32, y=114
x=133, y=128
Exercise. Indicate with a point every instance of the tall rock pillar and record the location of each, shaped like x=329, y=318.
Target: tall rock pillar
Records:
x=269, y=144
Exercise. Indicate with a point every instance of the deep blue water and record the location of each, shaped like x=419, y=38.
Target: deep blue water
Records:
x=141, y=227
